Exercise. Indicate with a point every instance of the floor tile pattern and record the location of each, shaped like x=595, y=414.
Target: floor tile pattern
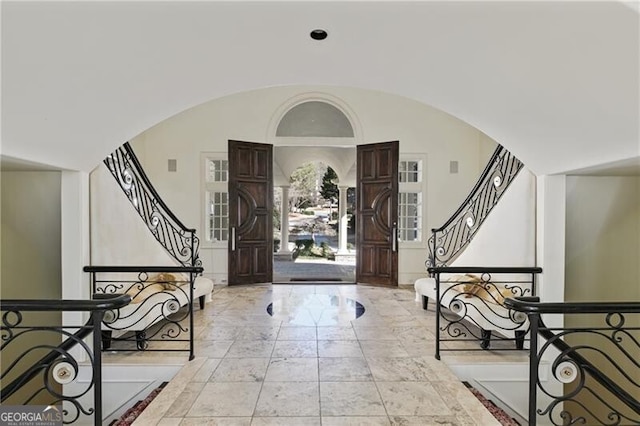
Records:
x=252, y=368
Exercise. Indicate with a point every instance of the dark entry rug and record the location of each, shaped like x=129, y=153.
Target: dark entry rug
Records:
x=313, y=281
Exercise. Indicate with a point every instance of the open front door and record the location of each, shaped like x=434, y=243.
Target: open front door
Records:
x=250, y=213
x=377, y=214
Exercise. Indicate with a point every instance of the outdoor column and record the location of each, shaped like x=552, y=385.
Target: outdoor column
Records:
x=284, y=222
x=342, y=217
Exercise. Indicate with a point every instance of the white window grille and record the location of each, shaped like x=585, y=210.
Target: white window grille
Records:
x=410, y=171
x=409, y=216
x=410, y=190
x=216, y=198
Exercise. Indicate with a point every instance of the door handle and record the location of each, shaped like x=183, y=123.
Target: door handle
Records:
x=394, y=239
x=233, y=238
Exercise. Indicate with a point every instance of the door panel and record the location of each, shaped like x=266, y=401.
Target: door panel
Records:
x=250, y=213
x=377, y=214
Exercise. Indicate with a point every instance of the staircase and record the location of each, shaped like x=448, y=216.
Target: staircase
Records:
x=180, y=242
x=448, y=241
x=507, y=239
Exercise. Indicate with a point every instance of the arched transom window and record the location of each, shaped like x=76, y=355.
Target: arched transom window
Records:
x=315, y=119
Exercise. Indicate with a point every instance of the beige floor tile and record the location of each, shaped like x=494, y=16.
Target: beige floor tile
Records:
x=292, y=370
x=216, y=421
x=240, y=370
x=184, y=401
x=288, y=399
x=162, y=402
x=295, y=349
x=226, y=400
x=251, y=349
x=371, y=320
x=258, y=333
x=344, y=370
x=463, y=403
x=205, y=372
x=413, y=333
x=297, y=333
x=354, y=399
x=170, y=421
x=383, y=349
x=212, y=349
x=286, y=421
x=400, y=369
x=421, y=348
x=412, y=399
x=339, y=348
x=337, y=333
x=355, y=421
x=262, y=320
x=431, y=421
x=375, y=333
x=220, y=332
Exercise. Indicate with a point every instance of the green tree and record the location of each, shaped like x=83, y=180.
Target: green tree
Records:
x=329, y=190
x=303, y=191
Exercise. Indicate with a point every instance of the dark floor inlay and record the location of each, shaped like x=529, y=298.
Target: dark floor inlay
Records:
x=318, y=309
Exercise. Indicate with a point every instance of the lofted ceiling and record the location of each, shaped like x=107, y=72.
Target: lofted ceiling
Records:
x=557, y=83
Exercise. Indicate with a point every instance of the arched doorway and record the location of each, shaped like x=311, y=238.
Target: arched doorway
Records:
x=315, y=135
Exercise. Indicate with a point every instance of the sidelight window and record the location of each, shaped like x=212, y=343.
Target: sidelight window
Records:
x=410, y=208
x=409, y=216
x=216, y=198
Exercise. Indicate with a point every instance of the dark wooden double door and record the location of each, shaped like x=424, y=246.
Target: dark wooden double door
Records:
x=251, y=213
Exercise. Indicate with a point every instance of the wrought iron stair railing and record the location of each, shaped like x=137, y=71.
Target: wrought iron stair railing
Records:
x=469, y=305
x=179, y=241
x=161, y=315
x=449, y=240
x=34, y=370
x=597, y=363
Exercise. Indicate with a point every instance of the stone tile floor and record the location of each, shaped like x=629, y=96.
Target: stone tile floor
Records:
x=312, y=362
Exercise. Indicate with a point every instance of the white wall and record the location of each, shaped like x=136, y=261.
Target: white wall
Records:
x=603, y=261
x=550, y=239
x=507, y=236
x=30, y=254
x=250, y=116
x=31, y=235
x=119, y=237
x=603, y=238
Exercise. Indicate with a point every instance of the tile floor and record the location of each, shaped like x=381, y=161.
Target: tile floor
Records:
x=314, y=363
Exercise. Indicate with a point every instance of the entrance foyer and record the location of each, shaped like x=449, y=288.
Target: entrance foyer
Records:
x=252, y=368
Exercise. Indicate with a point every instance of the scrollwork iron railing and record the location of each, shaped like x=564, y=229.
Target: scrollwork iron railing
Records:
x=38, y=371
x=160, y=316
x=179, y=241
x=470, y=307
x=448, y=241
x=596, y=364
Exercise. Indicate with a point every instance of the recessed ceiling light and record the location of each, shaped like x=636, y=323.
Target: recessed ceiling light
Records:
x=318, y=34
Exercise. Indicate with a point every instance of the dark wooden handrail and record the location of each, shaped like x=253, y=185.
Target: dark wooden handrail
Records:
x=103, y=303
x=532, y=305
x=485, y=269
x=128, y=268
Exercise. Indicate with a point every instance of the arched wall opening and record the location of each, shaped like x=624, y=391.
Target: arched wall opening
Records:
x=431, y=137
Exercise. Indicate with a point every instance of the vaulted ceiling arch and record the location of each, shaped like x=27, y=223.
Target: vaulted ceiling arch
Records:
x=534, y=76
